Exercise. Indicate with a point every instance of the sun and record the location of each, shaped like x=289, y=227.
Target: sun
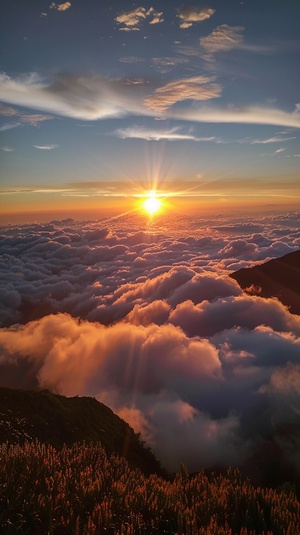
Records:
x=152, y=204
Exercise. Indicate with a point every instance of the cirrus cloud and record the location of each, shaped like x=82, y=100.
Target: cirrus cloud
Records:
x=194, y=88
x=171, y=134
x=94, y=97
x=221, y=39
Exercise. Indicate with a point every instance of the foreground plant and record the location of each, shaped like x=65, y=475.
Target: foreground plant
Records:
x=79, y=490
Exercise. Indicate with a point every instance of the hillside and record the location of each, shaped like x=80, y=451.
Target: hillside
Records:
x=279, y=278
x=58, y=420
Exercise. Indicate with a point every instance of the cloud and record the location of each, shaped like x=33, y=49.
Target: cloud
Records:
x=7, y=149
x=156, y=312
x=194, y=88
x=171, y=134
x=239, y=115
x=35, y=119
x=192, y=14
x=207, y=319
x=94, y=97
x=222, y=39
x=7, y=111
x=166, y=64
x=157, y=17
x=71, y=95
x=60, y=7
x=9, y=126
x=154, y=267
x=179, y=351
x=31, y=119
x=132, y=19
x=45, y=147
x=123, y=356
x=275, y=139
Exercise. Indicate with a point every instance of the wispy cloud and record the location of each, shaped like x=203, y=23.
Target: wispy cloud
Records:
x=9, y=126
x=148, y=134
x=7, y=111
x=131, y=20
x=81, y=97
x=194, y=88
x=239, y=115
x=7, y=149
x=278, y=151
x=191, y=14
x=95, y=97
x=45, y=147
x=221, y=39
x=131, y=59
x=32, y=119
x=275, y=139
x=166, y=64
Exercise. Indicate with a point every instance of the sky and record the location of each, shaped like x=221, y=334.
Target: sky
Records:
x=103, y=101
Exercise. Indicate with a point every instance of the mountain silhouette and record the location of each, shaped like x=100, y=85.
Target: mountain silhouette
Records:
x=58, y=420
x=279, y=278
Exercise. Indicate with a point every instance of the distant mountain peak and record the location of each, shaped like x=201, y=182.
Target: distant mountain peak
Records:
x=279, y=277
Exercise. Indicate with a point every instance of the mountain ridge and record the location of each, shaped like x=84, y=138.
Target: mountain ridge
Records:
x=279, y=277
x=27, y=415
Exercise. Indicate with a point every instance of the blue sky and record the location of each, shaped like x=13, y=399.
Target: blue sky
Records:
x=151, y=93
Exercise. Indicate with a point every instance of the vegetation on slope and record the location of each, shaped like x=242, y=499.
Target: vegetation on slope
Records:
x=81, y=491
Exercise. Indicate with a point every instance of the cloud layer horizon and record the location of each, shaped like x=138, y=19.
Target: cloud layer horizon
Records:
x=150, y=323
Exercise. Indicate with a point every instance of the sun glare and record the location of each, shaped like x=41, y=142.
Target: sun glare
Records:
x=152, y=204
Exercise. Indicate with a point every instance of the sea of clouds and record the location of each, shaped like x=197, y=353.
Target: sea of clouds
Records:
x=144, y=317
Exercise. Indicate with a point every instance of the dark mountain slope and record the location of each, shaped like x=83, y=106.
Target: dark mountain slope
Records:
x=58, y=420
x=277, y=278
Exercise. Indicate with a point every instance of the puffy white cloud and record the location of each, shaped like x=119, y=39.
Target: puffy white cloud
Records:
x=60, y=7
x=156, y=312
x=72, y=357
x=155, y=16
x=101, y=275
x=192, y=14
x=207, y=319
x=132, y=19
x=182, y=351
x=205, y=287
